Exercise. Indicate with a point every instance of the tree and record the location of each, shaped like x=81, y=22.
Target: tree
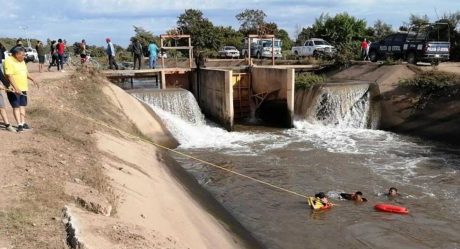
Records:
x=381, y=29
x=250, y=20
x=270, y=28
x=417, y=20
x=145, y=37
x=342, y=28
x=304, y=34
x=286, y=42
x=227, y=36
x=192, y=22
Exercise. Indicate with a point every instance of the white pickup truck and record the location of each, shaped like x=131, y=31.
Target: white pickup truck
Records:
x=314, y=47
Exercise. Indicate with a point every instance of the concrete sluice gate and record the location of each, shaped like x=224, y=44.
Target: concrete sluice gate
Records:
x=177, y=101
x=266, y=96
x=342, y=105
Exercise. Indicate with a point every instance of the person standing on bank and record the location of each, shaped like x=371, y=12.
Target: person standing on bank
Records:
x=83, y=51
x=54, y=56
x=153, y=53
x=364, y=49
x=137, y=53
x=41, y=55
x=60, y=47
x=2, y=55
x=18, y=44
x=111, y=54
x=18, y=76
x=367, y=50
x=4, y=84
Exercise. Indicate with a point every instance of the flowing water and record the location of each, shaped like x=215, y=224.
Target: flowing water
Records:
x=331, y=156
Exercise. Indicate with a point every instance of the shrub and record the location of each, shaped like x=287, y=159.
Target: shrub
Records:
x=346, y=52
x=306, y=80
x=431, y=81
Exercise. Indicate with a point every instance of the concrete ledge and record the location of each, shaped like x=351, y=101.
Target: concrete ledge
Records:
x=215, y=96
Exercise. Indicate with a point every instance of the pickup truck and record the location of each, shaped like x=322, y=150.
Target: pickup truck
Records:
x=31, y=55
x=411, y=46
x=262, y=48
x=314, y=47
x=229, y=51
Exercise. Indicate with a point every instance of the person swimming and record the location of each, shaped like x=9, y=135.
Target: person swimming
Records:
x=319, y=202
x=393, y=192
x=357, y=196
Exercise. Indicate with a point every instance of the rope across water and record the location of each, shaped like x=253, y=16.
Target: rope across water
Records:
x=187, y=155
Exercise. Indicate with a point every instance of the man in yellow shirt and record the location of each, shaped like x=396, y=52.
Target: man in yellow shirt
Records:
x=18, y=75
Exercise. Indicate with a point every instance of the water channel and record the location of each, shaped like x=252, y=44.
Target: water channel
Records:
x=333, y=149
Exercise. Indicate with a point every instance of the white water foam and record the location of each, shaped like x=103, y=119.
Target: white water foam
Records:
x=343, y=107
x=192, y=135
x=391, y=156
x=179, y=102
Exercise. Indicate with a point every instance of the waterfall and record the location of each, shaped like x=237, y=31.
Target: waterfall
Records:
x=339, y=105
x=175, y=101
x=180, y=113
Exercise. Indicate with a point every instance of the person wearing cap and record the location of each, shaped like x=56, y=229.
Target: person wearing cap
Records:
x=111, y=54
x=357, y=196
x=18, y=76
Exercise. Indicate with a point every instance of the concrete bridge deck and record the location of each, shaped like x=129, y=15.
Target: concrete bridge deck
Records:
x=143, y=72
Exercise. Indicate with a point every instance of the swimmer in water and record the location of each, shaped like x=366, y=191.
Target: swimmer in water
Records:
x=357, y=196
x=393, y=192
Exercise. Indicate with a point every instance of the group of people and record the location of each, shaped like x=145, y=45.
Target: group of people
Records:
x=14, y=78
x=57, y=52
x=58, y=57
x=365, y=46
x=137, y=52
x=321, y=201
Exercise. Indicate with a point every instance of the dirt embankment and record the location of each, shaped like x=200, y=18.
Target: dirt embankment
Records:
x=408, y=110
x=89, y=152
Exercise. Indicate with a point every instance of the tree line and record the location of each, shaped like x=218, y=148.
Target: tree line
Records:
x=342, y=30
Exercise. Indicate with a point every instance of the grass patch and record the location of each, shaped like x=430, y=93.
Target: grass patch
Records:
x=60, y=150
x=307, y=80
x=431, y=81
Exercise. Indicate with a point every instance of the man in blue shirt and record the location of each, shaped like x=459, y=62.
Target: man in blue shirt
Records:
x=111, y=53
x=153, y=52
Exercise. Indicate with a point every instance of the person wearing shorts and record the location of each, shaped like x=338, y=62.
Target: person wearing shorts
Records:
x=41, y=55
x=3, y=86
x=18, y=76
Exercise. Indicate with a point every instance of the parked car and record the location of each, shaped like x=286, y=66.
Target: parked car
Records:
x=229, y=52
x=262, y=48
x=423, y=44
x=31, y=55
x=314, y=47
x=163, y=55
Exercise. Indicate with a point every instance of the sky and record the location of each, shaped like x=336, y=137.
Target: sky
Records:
x=94, y=20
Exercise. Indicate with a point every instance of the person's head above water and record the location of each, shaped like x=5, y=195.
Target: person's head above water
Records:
x=393, y=191
x=358, y=196
x=322, y=197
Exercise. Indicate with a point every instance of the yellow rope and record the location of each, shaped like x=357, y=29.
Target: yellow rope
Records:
x=188, y=156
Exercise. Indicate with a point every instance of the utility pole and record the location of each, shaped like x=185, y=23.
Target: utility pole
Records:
x=25, y=28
